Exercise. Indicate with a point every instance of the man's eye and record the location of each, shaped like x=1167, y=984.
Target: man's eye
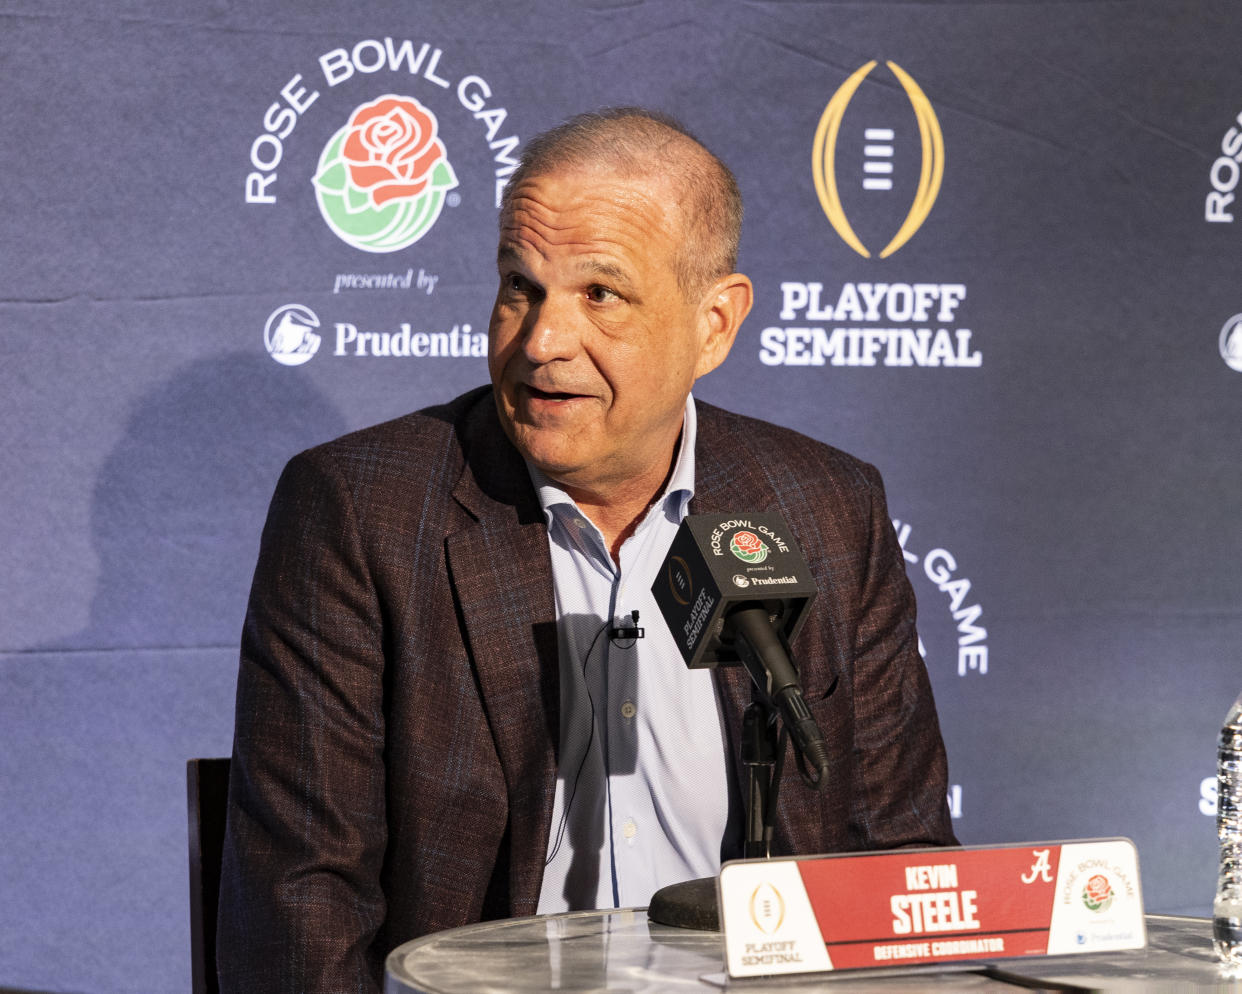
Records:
x=601, y=294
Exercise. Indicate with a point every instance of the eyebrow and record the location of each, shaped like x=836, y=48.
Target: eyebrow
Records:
x=606, y=269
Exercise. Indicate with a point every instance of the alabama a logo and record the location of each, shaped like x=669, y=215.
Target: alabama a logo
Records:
x=878, y=151
x=382, y=178
x=1041, y=868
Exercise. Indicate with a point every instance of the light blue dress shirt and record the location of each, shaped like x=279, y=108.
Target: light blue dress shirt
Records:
x=643, y=784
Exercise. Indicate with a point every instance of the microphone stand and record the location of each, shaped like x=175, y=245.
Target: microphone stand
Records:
x=693, y=903
x=763, y=755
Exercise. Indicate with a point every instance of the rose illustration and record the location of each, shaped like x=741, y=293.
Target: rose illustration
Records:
x=383, y=177
x=391, y=148
x=748, y=542
x=1098, y=894
x=748, y=547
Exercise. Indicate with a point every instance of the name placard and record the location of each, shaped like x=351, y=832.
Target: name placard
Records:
x=918, y=906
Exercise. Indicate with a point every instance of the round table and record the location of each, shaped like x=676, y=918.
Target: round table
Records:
x=622, y=951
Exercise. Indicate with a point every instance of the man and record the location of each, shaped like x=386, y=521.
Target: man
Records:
x=435, y=724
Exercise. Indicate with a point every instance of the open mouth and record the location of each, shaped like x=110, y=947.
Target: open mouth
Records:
x=551, y=395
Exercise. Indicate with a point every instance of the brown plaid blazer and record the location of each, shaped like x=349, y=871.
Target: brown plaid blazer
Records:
x=395, y=749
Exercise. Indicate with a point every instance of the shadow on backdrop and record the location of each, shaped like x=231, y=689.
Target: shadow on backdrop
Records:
x=180, y=502
x=98, y=725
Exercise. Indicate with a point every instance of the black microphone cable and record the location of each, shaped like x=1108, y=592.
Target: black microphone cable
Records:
x=617, y=635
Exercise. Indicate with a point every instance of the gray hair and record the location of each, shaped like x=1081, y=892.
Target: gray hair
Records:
x=638, y=142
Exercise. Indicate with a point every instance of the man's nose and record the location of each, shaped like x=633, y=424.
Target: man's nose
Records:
x=552, y=332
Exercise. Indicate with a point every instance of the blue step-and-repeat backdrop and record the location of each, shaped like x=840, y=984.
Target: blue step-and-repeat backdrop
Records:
x=997, y=250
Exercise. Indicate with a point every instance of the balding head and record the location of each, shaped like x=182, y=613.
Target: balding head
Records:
x=631, y=143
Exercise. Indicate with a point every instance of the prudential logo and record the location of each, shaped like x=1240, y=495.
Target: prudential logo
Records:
x=1231, y=343
x=289, y=335
x=383, y=178
x=880, y=145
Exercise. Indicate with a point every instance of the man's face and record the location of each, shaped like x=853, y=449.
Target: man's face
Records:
x=593, y=346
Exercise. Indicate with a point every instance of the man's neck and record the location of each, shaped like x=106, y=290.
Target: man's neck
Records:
x=617, y=513
x=617, y=507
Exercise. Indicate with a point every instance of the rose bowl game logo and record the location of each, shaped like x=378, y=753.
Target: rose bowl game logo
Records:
x=1098, y=894
x=748, y=547
x=382, y=178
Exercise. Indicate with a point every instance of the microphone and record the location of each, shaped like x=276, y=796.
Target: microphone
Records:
x=734, y=589
x=766, y=658
x=621, y=632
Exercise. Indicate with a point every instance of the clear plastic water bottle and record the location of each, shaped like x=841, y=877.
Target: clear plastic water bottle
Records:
x=1227, y=909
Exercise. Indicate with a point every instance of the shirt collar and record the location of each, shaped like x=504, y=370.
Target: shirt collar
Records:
x=677, y=494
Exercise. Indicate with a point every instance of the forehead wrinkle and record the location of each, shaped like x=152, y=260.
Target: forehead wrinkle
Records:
x=612, y=201
x=525, y=232
x=610, y=229
x=598, y=252
x=582, y=226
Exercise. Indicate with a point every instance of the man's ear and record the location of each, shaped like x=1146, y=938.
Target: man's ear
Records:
x=725, y=306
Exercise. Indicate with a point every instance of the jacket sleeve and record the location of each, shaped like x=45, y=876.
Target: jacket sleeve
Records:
x=300, y=900
x=899, y=797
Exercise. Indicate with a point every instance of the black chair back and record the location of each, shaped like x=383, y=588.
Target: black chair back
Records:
x=207, y=785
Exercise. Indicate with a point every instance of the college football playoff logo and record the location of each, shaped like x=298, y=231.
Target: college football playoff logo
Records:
x=767, y=908
x=879, y=151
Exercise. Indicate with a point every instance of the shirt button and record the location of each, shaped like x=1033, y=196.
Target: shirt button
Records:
x=628, y=710
x=629, y=829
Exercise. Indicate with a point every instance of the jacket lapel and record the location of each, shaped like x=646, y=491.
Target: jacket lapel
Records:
x=501, y=573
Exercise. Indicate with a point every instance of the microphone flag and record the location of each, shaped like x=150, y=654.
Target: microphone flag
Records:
x=720, y=560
